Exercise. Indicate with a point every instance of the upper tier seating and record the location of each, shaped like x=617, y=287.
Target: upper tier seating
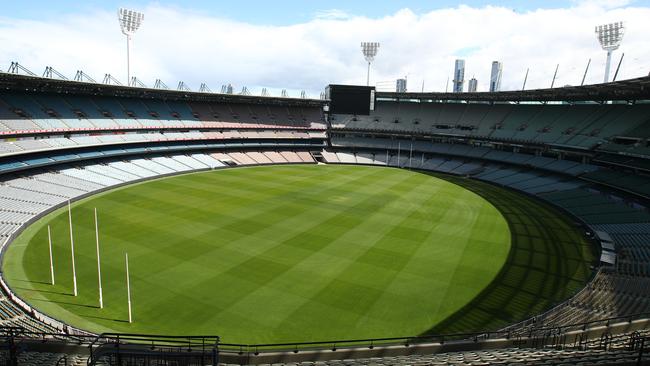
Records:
x=580, y=125
x=37, y=112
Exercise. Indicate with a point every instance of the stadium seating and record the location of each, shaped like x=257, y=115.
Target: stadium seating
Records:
x=609, y=294
x=44, y=112
x=615, y=344
x=23, y=198
x=590, y=160
x=506, y=356
x=51, y=359
x=611, y=200
x=578, y=125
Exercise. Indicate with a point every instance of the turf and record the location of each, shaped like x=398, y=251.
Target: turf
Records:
x=286, y=253
x=549, y=261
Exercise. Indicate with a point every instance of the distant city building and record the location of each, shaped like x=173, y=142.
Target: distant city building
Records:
x=473, y=83
x=459, y=76
x=401, y=86
x=495, y=76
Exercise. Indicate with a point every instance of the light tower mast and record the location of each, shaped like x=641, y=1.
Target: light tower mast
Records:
x=130, y=21
x=369, y=50
x=610, y=37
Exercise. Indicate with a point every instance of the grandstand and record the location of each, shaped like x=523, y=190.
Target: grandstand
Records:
x=581, y=150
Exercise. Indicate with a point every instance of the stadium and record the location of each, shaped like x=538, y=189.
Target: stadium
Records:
x=153, y=226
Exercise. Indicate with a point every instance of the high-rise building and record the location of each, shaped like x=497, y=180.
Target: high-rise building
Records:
x=473, y=83
x=459, y=76
x=495, y=76
x=401, y=86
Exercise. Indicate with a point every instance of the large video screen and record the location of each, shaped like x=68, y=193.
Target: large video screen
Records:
x=349, y=99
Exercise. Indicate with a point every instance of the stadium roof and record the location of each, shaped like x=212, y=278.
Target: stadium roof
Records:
x=627, y=90
x=18, y=82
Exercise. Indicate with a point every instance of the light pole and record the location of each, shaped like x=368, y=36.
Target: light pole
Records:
x=369, y=50
x=610, y=37
x=130, y=21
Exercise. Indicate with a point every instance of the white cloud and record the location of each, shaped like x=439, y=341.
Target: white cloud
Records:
x=337, y=14
x=607, y=4
x=173, y=45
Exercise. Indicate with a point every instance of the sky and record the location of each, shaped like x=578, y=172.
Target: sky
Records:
x=305, y=45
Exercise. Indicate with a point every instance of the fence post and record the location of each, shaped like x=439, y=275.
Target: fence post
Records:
x=13, y=357
x=119, y=355
x=639, y=360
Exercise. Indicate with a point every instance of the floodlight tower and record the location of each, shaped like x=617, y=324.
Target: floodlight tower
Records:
x=610, y=37
x=369, y=50
x=130, y=21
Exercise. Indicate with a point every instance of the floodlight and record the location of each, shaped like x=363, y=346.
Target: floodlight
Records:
x=130, y=21
x=610, y=37
x=369, y=50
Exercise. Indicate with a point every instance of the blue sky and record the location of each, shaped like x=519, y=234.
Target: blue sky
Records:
x=291, y=45
x=277, y=12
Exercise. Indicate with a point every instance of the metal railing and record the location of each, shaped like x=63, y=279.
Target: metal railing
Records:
x=119, y=345
x=63, y=361
x=370, y=343
x=194, y=341
x=209, y=347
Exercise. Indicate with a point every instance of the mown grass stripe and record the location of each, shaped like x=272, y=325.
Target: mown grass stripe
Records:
x=286, y=253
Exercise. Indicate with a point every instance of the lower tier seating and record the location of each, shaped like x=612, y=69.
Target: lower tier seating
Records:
x=615, y=291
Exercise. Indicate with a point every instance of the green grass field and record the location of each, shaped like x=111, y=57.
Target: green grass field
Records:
x=300, y=253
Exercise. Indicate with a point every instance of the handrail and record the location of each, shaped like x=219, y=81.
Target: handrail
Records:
x=184, y=340
x=202, y=344
x=168, y=344
x=442, y=338
x=167, y=339
x=202, y=128
x=63, y=358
